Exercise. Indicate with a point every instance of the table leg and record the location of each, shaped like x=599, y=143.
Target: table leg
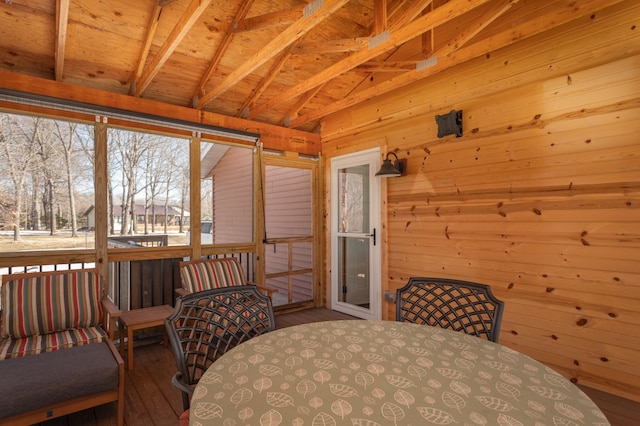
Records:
x=121, y=336
x=129, y=348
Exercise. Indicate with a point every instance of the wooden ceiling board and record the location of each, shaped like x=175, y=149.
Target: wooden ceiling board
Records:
x=206, y=34
x=101, y=52
x=127, y=19
x=98, y=76
x=103, y=43
x=106, y=39
x=174, y=88
x=27, y=34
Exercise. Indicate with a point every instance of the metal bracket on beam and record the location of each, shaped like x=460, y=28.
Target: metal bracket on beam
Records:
x=312, y=8
x=378, y=39
x=429, y=62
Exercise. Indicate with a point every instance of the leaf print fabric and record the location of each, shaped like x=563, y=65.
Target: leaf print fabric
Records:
x=380, y=373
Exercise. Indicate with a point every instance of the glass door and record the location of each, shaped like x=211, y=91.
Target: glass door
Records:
x=355, y=226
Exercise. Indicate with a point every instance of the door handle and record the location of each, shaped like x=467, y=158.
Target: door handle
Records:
x=373, y=234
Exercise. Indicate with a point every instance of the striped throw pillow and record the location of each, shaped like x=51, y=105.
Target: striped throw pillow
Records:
x=209, y=274
x=35, y=304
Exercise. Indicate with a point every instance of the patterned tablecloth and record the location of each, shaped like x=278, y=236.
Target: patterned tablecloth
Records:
x=383, y=373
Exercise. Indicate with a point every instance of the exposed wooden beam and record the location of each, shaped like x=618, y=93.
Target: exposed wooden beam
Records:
x=295, y=110
x=62, y=20
x=221, y=50
x=266, y=81
x=428, y=38
x=379, y=16
x=493, y=13
x=152, y=26
x=408, y=13
x=275, y=137
x=400, y=13
x=387, y=66
x=182, y=27
x=274, y=19
x=395, y=6
x=422, y=24
x=331, y=46
x=510, y=36
x=318, y=11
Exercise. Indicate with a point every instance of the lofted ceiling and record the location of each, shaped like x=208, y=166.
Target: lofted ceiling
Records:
x=283, y=62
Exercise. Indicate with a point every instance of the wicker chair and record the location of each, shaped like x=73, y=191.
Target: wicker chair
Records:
x=452, y=304
x=206, y=324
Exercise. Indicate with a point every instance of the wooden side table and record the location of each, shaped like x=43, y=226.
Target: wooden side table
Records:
x=137, y=319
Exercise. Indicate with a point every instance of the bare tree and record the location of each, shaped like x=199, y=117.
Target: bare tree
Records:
x=17, y=138
x=34, y=189
x=50, y=159
x=65, y=133
x=85, y=137
x=170, y=157
x=183, y=173
x=7, y=206
x=131, y=148
x=155, y=175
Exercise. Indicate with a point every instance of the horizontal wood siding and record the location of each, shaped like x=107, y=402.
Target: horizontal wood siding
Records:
x=233, y=197
x=288, y=202
x=540, y=198
x=289, y=214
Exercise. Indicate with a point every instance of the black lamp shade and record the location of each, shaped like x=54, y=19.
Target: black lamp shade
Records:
x=389, y=169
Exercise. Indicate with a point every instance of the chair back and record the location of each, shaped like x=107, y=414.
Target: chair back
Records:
x=206, y=274
x=206, y=324
x=40, y=303
x=452, y=304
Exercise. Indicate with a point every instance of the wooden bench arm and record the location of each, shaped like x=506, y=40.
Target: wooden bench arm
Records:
x=181, y=292
x=264, y=289
x=111, y=314
x=120, y=362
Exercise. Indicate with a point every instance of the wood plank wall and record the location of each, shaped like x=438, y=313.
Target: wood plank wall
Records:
x=540, y=198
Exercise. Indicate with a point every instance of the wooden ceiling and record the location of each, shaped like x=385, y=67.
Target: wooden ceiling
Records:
x=283, y=62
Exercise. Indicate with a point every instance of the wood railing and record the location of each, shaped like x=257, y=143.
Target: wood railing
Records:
x=126, y=241
x=287, y=284
x=136, y=280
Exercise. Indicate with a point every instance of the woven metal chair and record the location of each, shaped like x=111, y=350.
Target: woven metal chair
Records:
x=206, y=324
x=452, y=304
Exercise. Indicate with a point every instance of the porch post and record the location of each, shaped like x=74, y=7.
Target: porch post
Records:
x=101, y=205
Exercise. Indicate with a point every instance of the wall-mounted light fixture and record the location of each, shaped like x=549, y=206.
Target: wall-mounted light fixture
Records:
x=389, y=169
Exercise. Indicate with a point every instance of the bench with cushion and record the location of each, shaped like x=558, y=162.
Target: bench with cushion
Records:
x=56, y=351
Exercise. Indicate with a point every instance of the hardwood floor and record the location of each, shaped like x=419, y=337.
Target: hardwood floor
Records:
x=150, y=399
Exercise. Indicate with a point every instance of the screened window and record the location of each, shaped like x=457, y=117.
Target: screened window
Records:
x=148, y=189
x=46, y=184
x=226, y=193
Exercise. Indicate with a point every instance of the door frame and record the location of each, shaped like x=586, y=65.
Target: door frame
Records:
x=314, y=166
x=372, y=158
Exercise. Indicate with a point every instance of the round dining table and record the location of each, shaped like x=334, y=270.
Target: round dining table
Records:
x=369, y=373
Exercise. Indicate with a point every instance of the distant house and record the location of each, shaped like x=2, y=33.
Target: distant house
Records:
x=173, y=214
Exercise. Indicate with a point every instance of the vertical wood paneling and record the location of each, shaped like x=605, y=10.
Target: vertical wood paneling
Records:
x=540, y=198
